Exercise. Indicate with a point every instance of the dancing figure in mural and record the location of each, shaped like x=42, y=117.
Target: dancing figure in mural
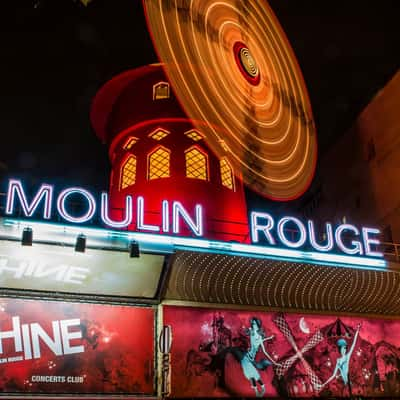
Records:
x=248, y=361
x=343, y=362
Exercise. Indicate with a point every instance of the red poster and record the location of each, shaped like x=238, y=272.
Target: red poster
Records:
x=60, y=347
x=222, y=353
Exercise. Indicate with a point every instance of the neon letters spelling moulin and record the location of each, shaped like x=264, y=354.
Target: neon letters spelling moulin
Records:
x=346, y=238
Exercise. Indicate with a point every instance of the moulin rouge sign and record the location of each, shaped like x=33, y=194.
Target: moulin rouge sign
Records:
x=263, y=227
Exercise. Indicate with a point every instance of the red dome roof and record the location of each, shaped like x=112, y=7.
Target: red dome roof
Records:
x=127, y=99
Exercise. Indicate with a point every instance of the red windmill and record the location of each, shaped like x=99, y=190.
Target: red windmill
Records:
x=156, y=153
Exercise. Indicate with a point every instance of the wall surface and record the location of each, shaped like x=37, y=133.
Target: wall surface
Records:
x=360, y=174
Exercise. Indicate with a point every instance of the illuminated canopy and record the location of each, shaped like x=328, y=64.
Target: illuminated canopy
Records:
x=165, y=244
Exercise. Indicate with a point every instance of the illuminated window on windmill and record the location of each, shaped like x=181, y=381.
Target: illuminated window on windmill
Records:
x=223, y=145
x=159, y=134
x=130, y=142
x=227, y=177
x=194, y=135
x=159, y=163
x=161, y=91
x=196, y=164
x=128, y=172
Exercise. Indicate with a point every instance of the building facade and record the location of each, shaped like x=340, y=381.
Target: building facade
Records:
x=150, y=305
x=369, y=166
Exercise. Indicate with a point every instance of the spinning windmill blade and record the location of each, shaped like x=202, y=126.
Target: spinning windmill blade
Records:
x=231, y=67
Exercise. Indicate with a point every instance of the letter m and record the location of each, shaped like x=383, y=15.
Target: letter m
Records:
x=15, y=189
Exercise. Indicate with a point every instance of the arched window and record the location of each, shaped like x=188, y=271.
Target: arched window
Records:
x=128, y=172
x=194, y=135
x=159, y=134
x=227, y=177
x=161, y=91
x=223, y=144
x=159, y=161
x=130, y=142
x=196, y=164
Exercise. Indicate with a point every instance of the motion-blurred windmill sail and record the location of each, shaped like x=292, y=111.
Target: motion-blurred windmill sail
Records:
x=232, y=68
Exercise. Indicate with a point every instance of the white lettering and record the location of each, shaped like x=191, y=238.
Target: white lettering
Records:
x=76, y=275
x=15, y=189
x=140, y=217
x=91, y=202
x=27, y=342
x=33, y=334
x=43, y=270
x=15, y=334
x=178, y=210
x=165, y=216
x=329, y=237
x=265, y=229
x=67, y=336
x=262, y=226
x=37, y=332
x=62, y=273
x=30, y=268
x=356, y=249
x=114, y=224
x=18, y=270
x=368, y=241
x=301, y=230
x=75, y=379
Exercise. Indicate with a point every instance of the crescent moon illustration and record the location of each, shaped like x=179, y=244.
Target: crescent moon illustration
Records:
x=303, y=326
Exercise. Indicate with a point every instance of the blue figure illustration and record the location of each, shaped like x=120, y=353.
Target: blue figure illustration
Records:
x=343, y=362
x=248, y=361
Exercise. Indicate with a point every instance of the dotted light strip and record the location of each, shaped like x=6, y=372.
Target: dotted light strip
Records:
x=282, y=284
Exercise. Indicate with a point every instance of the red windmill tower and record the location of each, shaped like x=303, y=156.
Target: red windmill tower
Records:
x=157, y=154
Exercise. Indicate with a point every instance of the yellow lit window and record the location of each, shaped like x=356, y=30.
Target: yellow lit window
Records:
x=196, y=164
x=130, y=142
x=194, y=135
x=128, y=172
x=223, y=145
x=161, y=91
x=159, y=163
x=159, y=134
x=227, y=174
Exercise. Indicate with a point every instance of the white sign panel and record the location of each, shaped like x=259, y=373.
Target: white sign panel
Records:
x=61, y=269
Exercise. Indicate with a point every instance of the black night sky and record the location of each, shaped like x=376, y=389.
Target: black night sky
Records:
x=57, y=53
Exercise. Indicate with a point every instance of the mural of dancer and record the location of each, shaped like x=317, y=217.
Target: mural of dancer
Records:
x=244, y=353
x=343, y=362
x=248, y=361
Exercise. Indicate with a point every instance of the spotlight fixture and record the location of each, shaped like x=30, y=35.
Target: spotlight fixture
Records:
x=27, y=235
x=134, y=249
x=80, y=244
